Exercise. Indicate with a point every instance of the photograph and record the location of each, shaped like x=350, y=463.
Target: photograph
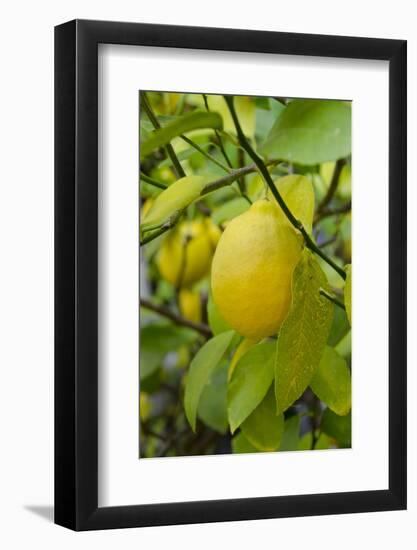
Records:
x=245, y=274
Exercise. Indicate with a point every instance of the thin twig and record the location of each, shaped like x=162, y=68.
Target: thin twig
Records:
x=169, y=149
x=178, y=319
x=267, y=177
x=204, y=153
x=331, y=240
x=326, y=213
x=332, y=299
x=152, y=181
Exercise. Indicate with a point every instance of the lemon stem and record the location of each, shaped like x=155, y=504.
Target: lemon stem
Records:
x=267, y=177
x=168, y=148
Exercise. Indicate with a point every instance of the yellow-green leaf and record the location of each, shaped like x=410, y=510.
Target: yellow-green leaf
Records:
x=172, y=200
x=291, y=437
x=263, y=428
x=303, y=335
x=338, y=428
x=348, y=293
x=298, y=194
x=332, y=383
x=245, y=109
x=212, y=408
x=240, y=444
x=181, y=125
x=201, y=369
x=250, y=381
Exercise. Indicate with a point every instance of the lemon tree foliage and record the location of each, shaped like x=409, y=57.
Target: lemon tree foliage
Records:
x=181, y=125
x=245, y=336
x=240, y=444
x=291, y=434
x=251, y=378
x=337, y=428
x=331, y=382
x=201, y=368
x=157, y=340
x=212, y=408
x=348, y=293
x=263, y=428
x=303, y=335
x=173, y=200
x=311, y=131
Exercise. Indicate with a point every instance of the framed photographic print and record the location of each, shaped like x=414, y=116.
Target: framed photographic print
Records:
x=230, y=235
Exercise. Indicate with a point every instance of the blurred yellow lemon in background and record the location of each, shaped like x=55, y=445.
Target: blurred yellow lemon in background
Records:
x=186, y=253
x=190, y=304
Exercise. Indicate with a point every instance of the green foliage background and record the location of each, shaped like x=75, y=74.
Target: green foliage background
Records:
x=275, y=400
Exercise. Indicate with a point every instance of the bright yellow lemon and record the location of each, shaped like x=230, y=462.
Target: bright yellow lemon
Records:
x=252, y=270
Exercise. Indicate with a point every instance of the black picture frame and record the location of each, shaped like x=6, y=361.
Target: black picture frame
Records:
x=76, y=272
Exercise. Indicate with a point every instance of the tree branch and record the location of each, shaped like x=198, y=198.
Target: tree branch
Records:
x=267, y=177
x=165, y=312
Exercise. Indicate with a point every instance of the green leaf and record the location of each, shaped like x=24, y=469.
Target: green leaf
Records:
x=337, y=427
x=310, y=131
x=201, y=368
x=172, y=200
x=215, y=319
x=305, y=442
x=331, y=382
x=181, y=125
x=250, y=381
x=348, y=293
x=344, y=346
x=158, y=340
x=324, y=442
x=340, y=326
x=241, y=445
x=230, y=210
x=212, y=409
x=263, y=428
x=262, y=103
x=291, y=435
x=303, y=335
